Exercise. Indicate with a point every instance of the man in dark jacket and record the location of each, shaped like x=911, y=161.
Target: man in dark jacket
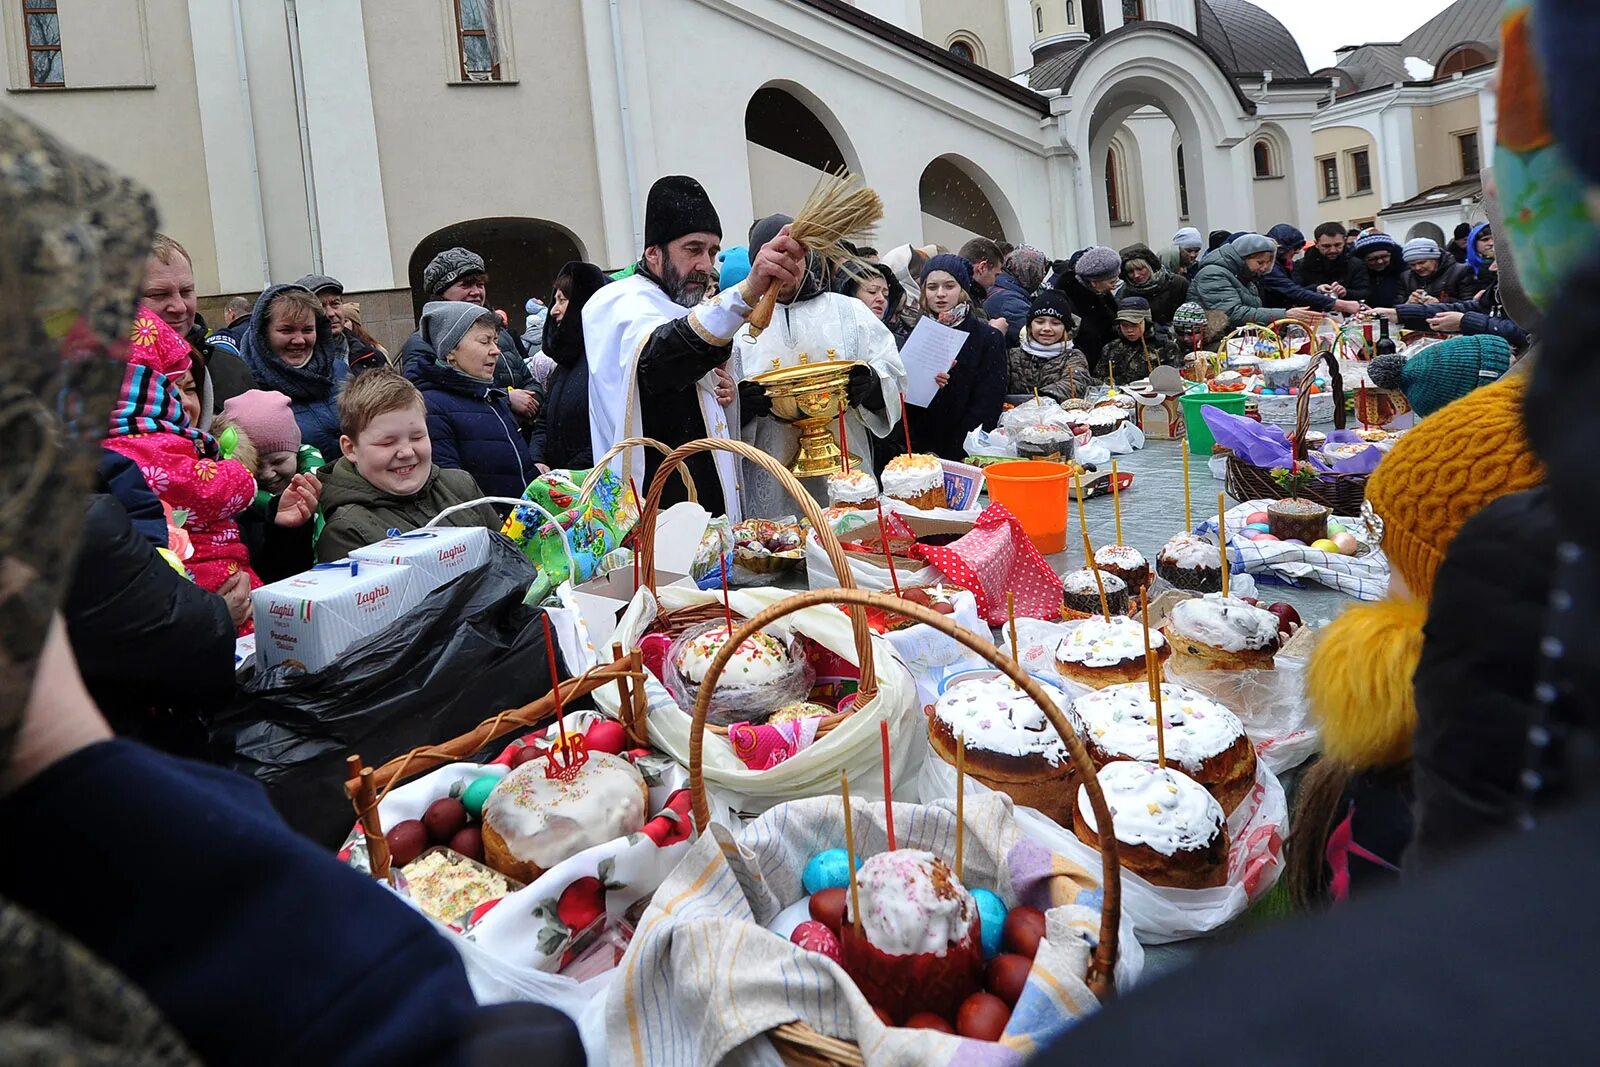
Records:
x=1327, y=267
x=1094, y=276
x=1144, y=276
x=1280, y=290
x=1381, y=280
x=360, y=355
x=1483, y=314
x=1013, y=289
x=1458, y=242
x=1432, y=275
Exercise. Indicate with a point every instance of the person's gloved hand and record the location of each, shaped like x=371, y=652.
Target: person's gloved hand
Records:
x=863, y=390
x=753, y=400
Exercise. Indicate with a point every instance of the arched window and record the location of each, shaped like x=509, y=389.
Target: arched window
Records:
x=1183, y=186
x=1262, y=153
x=965, y=45
x=961, y=50
x=1114, y=208
x=1072, y=12
x=1038, y=19
x=1462, y=57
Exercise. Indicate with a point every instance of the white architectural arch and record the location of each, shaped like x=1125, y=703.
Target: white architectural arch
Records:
x=997, y=202
x=824, y=114
x=1139, y=66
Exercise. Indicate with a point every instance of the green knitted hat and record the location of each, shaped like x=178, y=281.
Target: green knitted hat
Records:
x=1443, y=372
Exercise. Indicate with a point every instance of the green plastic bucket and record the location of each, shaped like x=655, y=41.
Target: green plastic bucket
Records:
x=1200, y=439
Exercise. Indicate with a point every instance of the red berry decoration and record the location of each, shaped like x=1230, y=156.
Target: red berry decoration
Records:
x=983, y=1017
x=815, y=937
x=1006, y=975
x=469, y=842
x=827, y=907
x=581, y=903
x=1023, y=931
x=927, y=1020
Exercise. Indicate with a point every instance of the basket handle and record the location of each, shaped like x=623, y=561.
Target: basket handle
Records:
x=1251, y=329
x=1302, y=406
x=618, y=449
x=1282, y=326
x=1103, y=963
x=819, y=530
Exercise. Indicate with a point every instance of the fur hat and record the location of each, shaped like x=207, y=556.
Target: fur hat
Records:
x=1052, y=302
x=1252, y=244
x=447, y=268
x=1443, y=372
x=1420, y=248
x=1188, y=239
x=951, y=264
x=266, y=418
x=1097, y=263
x=678, y=205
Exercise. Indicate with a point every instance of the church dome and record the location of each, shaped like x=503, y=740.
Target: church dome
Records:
x=1248, y=40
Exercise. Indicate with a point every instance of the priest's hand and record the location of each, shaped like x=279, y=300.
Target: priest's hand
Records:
x=781, y=262
x=753, y=400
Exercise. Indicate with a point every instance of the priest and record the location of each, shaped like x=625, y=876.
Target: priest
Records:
x=813, y=325
x=657, y=353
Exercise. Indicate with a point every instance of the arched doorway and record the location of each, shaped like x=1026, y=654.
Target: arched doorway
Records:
x=791, y=138
x=522, y=256
x=1430, y=230
x=959, y=201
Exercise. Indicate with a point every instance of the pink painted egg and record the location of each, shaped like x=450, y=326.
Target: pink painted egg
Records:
x=815, y=937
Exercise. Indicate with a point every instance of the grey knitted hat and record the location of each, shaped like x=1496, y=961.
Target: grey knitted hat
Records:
x=1420, y=248
x=446, y=322
x=448, y=267
x=1098, y=263
x=1249, y=244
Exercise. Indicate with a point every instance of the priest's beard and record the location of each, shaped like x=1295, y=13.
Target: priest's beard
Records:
x=686, y=290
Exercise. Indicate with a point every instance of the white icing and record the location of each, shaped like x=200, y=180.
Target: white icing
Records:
x=1226, y=623
x=1081, y=583
x=1190, y=553
x=1121, y=721
x=1124, y=556
x=1040, y=434
x=1163, y=809
x=1106, y=416
x=1094, y=642
x=760, y=660
x=911, y=903
x=908, y=476
x=545, y=820
x=854, y=487
x=995, y=716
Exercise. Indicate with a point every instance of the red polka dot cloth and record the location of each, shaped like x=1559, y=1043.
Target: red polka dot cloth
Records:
x=996, y=558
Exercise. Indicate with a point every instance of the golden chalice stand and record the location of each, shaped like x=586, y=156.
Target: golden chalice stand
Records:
x=810, y=396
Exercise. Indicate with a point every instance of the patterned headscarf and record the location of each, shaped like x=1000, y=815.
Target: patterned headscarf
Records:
x=150, y=401
x=1028, y=266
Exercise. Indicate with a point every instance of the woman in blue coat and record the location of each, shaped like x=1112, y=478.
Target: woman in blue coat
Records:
x=289, y=348
x=469, y=420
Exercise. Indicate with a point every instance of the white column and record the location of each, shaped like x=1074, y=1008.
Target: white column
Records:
x=621, y=199
x=232, y=178
x=343, y=135
x=1396, y=144
x=1019, y=28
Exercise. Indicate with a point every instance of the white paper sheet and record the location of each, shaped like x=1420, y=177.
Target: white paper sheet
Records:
x=930, y=350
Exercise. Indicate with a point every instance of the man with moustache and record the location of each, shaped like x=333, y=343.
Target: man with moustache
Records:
x=656, y=352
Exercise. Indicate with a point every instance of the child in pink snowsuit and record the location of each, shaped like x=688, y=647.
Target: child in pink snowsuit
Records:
x=179, y=461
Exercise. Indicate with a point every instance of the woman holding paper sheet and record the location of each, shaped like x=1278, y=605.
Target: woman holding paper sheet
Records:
x=972, y=391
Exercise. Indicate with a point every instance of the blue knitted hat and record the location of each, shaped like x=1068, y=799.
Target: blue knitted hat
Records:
x=1445, y=372
x=953, y=265
x=733, y=266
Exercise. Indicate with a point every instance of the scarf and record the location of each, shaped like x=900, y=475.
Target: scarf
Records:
x=955, y=316
x=1041, y=351
x=1159, y=279
x=309, y=383
x=150, y=403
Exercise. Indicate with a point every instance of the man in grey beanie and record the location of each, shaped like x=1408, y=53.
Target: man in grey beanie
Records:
x=1090, y=286
x=1433, y=276
x=1228, y=281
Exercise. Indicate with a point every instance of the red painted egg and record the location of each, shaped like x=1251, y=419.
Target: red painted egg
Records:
x=1006, y=975
x=1022, y=932
x=815, y=937
x=983, y=1017
x=827, y=907
x=927, y=1020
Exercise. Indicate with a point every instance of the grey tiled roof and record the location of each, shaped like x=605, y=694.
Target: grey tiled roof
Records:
x=1462, y=22
x=1055, y=72
x=1248, y=39
x=1369, y=66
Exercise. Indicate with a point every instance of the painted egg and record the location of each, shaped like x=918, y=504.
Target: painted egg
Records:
x=1261, y=527
x=1335, y=528
x=991, y=920
x=1249, y=534
x=1294, y=391
x=478, y=792
x=608, y=736
x=827, y=907
x=828, y=870
x=1347, y=542
x=1255, y=517
x=1295, y=541
x=1267, y=537
x=815, y=937
x=1322, y=544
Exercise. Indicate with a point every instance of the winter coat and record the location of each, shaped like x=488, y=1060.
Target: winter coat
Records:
x=1452, y=281
x=1008, y=299
x=1383, y=290
x=1131, y=361
x=1097, y=317
x=510, y=372
x=1226, y=284
x=561, y=437
x=1279, y=290
x=1481, y=315
x=973, y=397
x=1061, y=378
x=533, y=328
x=1475, y=262
x=473, y=429
x=1316, y=269
x=313, y=390
x=278, y=552
x=359, y=513
x=120, y=477
x=1475, y=684
x=154, y=649
x=226, y=370
x=1166, y=290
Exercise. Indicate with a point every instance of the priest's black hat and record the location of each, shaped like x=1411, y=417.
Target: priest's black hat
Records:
x=678, y=205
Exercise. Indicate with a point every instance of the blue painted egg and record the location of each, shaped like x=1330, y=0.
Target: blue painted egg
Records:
x=991, y=919
x=477, y=792
x=1260, y=527
x=829, y=869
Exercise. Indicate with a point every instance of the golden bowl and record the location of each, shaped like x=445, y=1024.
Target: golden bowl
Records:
x=811, y=396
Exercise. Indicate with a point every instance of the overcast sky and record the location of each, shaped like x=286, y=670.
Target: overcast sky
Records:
x=1323, y=25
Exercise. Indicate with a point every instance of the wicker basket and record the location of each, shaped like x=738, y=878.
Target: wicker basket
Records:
x=674, y=622
x=797, y=1043
x=1341, y=492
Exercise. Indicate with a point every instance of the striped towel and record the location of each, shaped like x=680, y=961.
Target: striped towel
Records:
x=703, y=976
x=1364, y=577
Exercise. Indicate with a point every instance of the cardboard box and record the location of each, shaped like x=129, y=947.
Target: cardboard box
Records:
x=313, y=617
x=1160, y=417
x=435, y=556
x=871, y=570
x=963, y=484
x=602, y=600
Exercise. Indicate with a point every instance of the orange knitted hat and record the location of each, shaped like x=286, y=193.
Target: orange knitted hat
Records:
x=1444, y=471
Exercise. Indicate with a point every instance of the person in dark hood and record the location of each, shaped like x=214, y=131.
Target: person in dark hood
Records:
x=1480, y=252
x=1095, y=273
x=1381, y=280
x=1012, y=292
x=1458, y=242
x=1229, y=278
x=812, y=324
x=1144, y=276
x=1215, y=240
x=169, y=291
x=1327, y=265
x=1280, y=290
x=358, y=354
x=289, y=348
x=882, y=294
x=561, y=436
x=469, y=420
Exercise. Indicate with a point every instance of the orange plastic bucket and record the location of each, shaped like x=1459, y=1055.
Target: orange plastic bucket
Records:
x=1035, y=491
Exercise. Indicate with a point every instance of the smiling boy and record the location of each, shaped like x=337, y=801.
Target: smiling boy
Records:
x=387, y=479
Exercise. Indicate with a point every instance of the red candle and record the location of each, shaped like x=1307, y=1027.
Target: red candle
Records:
x=844, y=446
x=727, y=610
x=905, y=423
x=888, y=555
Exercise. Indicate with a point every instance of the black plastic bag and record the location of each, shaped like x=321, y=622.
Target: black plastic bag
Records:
x=469, y=650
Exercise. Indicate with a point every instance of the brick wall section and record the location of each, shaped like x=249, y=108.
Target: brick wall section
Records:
x=386, y=313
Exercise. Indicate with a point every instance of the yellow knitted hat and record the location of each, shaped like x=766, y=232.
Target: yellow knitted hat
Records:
x=1444, y=471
